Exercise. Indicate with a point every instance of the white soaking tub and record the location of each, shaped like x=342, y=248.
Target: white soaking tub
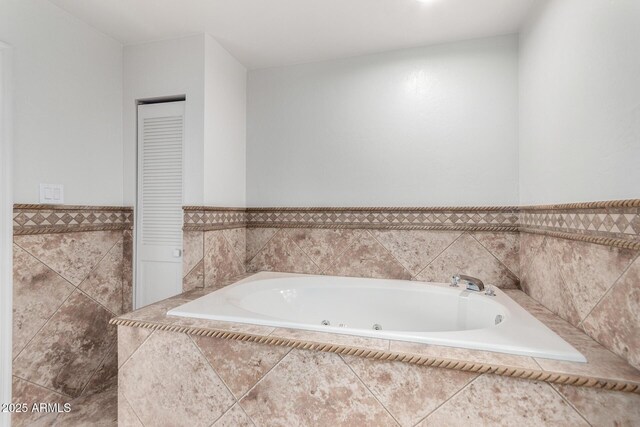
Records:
x=431, y=313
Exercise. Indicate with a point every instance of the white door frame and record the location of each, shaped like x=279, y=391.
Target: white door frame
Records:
x=6, y=228
x=137, y=288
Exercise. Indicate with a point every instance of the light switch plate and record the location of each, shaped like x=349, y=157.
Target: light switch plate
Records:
x=52, y=194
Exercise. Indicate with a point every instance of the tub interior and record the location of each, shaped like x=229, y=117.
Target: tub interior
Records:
x=369, y=306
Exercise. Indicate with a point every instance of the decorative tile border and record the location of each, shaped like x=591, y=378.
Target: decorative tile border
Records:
x=45, y=219
x=621, y=223
x=203, y=218
x=467, y=219
x=628, y=203
x=612, y=223
x=529, y=374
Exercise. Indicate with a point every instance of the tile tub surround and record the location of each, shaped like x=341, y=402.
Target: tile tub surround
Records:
x=581, y=262
x=72, y=273
x=427, y=255
x=594, y=287
x=419, y=243
x=594, y=243
x=199, y=372
x=603, y=369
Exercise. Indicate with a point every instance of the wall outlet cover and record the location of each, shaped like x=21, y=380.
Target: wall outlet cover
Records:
x=52, y=194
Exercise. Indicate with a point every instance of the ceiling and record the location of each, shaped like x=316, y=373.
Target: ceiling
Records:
x=268, y=33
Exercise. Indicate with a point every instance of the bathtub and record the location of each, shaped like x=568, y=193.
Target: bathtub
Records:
x=421, y=312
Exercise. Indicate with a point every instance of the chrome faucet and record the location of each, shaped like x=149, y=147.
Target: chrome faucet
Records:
x=473, y=283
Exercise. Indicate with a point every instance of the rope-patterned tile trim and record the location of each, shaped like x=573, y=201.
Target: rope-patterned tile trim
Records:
x=38, y=206
x=598, y=240
x=378, y=209
x=214, y=227
x=629, y=203
x=213, y=208
x=69, y=229
x=514, y=228
x=482, y=368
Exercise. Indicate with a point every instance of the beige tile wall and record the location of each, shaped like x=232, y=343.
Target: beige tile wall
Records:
x=395, y=254
x=194, y=380
x=67, y=286
x=211, y=257
x=581, y=262
x=594, y=287
x=419, y=244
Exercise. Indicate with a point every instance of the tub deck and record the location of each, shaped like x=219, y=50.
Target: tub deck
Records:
x=603, y=369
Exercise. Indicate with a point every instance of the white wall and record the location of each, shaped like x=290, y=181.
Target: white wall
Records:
x=67, y=104
x=214, y=84
x=160, y=69
x=580, y=102
x=225, y=127
x=426, y=127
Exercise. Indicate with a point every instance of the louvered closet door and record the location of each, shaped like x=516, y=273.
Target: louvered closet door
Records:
x=159, y=202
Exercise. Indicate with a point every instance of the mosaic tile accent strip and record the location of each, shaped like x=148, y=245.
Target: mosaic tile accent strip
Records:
x=622, y=223
x=202, y=218
x=474, y=218
x=43, y=219
x=612, y=223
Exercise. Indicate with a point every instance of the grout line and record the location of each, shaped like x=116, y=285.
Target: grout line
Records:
x=233, y=251
x=441, y=252
x=498, y=259
x=191, y=271
x=536, y=360
x=367, y=387
x=357, y=235
x=608, y=292
x=114, y=349
x=387, y=250
x=95, y=371
x=122, y=278
x=319, y=270
x=265, y=245
x=237, y=404
x=120, y=366
x=48, y=318
x=201, y=260
x=233, y=396
x=265, y=375
x=447, y=400
x=204, y=264
x=536, y=251
x=247, y=415
x=568, y=402
x=130, y=406
x=341, y=254
x=44, y=387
